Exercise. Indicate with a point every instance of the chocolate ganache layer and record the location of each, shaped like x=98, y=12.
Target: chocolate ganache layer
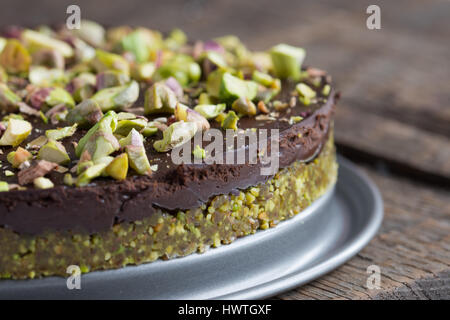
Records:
x=96, y=207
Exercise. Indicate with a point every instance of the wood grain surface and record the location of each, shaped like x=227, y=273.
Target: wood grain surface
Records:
x=393, y=118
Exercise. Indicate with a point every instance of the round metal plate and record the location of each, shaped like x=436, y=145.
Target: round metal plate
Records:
x=319, y=239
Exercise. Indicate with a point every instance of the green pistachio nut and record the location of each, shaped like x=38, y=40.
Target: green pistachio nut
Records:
x=210, y=111
x=230, y=121
x=68, y=179
x=204, y=98
x=43, y=183
x=134, y=42
x=262, y=61
x=326, y=90
x=91, y=32
x=16, y=158
x=117, y=97
x=181, y=67
x=101, y=144
x=118, y=168
x=54, y=151
x=83, y=93
x=244, y=106
x=125, y=126
x=59, y=96
x=14, y=57
x=143, y=71
x=213, y=83
x=216, y=59
x=134, y=147
x=287, y=61
x=45, y=77
x=176, y=134
x=37, y=40
x=271, y=86
x=85, y=114
x=61, y=133
x=199, y=152
x=159, y=98
x=16, y=132
x=111, y=78
x=149, y=130
x=49, y=58
x=106, y=124
x=8, y=99
x=305, y=93
x=295, y=119
x=110, y=61
x=184, y=113
x=4, y=186
x=89, y=174
x=176, y=39
x=233, y=88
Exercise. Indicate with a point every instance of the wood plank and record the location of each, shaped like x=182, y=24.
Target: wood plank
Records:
x=412, y=249
x=404, y=147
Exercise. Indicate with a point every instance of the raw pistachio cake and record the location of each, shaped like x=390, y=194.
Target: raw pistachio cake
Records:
x=90, y=118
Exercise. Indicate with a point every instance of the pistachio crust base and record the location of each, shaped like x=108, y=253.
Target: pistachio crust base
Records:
x=163, y=235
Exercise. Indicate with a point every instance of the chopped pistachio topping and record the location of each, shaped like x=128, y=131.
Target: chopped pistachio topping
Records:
x=89, y=174
x=199, y=152
x=232, y=88
x=109, y=61
x=61, y=133
x=244, y=106
x=287, y=61
x=181, y=67
x=159, y=98
x=38, y=40
x=42, y=76
x=134, y=42
x=43, y=183
x=85, y=114
x=59, y=96
x=8, y=99
x=134, y=147
x=14, y=57
x=104, y=131
x=210, y=111
x=16, y=158
x=230, y=121
x=4, y=186
x=54, y=151
x=184, y=113
x=295, y=119
x=15, y=133
x=76, y=80
x=305, y=93
x=176, y=134
x=117, y=97
x=118, y=167
x=9, y=173
x=111, y=78
x=125, y=126
x=326, y=90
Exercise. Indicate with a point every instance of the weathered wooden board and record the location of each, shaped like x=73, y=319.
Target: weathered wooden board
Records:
x=412, y=249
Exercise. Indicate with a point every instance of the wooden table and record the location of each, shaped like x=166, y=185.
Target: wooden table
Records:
x=393, y=119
